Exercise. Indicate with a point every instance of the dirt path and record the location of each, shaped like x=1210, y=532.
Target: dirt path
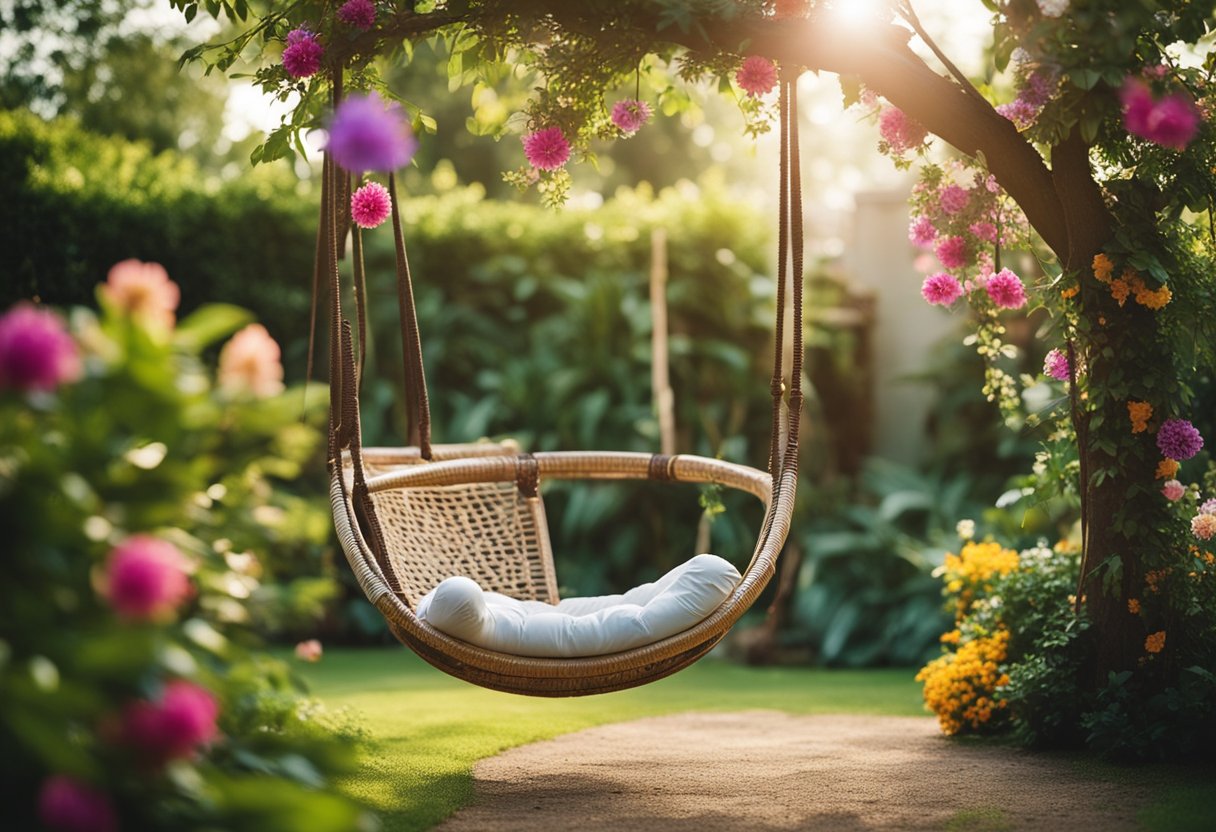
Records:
x=771, y=771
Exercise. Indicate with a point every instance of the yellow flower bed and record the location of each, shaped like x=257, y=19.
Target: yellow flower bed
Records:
x=970, y=573
x=960, y=687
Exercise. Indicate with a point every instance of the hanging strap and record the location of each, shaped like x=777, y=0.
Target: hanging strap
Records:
x=419, y=419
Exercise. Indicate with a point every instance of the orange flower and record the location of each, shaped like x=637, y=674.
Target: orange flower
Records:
x=143, y=290
x=1156, y=642
x=1167, y=468
x=1103, y=268
x=1119, y=290
x=1070, y=292
x=1139, y=413
x=1153, y=299
x=1133, y=606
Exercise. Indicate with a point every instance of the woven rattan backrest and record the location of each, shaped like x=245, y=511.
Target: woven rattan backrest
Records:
x=487, y=531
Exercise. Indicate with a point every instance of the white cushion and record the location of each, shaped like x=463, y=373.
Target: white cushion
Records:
x=581, y=626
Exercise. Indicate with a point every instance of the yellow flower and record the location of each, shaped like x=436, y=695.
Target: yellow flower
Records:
x=1133, y=606
x=1156, y=642
x=1167, y=468
x=1153, y=299
x=1139, y=413
x=1103, y=268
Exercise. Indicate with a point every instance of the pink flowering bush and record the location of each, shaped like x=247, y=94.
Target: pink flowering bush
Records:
x=1006, y=290
x=757, y=76
x=547, y=149
x=941, y=289
x=358, y=13
x=303, y=53
x=137, y=527
x=899, y=132
x=1170, y=121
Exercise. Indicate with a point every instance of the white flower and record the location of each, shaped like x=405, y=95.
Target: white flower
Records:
x=1052, y=8
x=965, y=529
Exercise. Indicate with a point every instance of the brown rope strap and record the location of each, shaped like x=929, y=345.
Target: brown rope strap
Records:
x=419, y=425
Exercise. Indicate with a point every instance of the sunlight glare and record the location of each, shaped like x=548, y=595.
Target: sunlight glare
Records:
x=854, y=13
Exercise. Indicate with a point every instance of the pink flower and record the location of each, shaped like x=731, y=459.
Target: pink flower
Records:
x=954, y=199
x=368, y=134
x=1171, y=122
x=952, y=251
x=145, y=578
x=1203, y=526
x=309, y=651
x=143, y=290
x=251, y=363
x=302, y=57
x=358, y=13
x=67, y=805
x=1208, y=507
x=1006, y=290
x=173, y=727
x=1173, y=490
x=757, y=76
x=899, y=132
x=36, y=351
x=985, y=231
x=1178, y=439
x=370, y=205
x=1055, y=365
x=922, y=232
x=941, y=289
x=547, y=149
x=629, y=115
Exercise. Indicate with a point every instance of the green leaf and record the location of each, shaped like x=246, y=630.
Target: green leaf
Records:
x=208, y=324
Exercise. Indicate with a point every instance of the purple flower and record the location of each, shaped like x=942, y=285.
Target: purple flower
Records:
x=358, y=13
x=1056, y=366
x=941, y=289
x=629, y=115
x=67, y=805
x=302, y=57
x=1171, y=122
x=1178, y=439
x=952, y=251
x=922, y=232
x=547, y=149
x=1006, y=290
x=36, y=352
x=367, y=134
x=1208, y=507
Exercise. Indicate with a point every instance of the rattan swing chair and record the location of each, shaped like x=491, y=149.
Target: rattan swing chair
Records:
x=409, y=517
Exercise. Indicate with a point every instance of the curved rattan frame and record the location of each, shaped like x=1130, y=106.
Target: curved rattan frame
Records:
x=563, y=676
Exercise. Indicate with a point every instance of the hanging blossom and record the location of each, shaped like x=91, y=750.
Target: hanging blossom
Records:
x=1006, y=290
x=370, y=205
x=1033, y=93
x=547, y=149
x=367, y=134
x=358, y=13
x=1178, y=439
x=36, y=351
x=922, y=232
x=757, y=76
x=941, y=289
x=1056, y=365
x=630, y=115
x=302, y=57
x=954, y=199
x=1171, y=121
x=899, y=133
x=952, y=251
x=1173, y=490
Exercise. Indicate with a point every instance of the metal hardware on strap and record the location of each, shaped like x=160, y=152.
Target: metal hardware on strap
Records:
x=660, y=467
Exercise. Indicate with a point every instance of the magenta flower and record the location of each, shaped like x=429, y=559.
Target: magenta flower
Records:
x=757, y=76
x=985, y=231
x=367, y=134
x=370, y=205
x=922, y=232
x=952, y=251
x=358, y=13
x=1178, y=439
x=1006, y=290
x=67, y=805
x=954, y=199
x=36, y=351
x=302, y=57
x=173, y=727
x=1170, y=122
x=941, y=289
x=629, y=115
x=547, y=149
x=900, y=133
x=1055, y=365
x=1173, y=490
x=146, y=578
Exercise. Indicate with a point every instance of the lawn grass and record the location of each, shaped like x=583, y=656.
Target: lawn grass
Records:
x=429, y=729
